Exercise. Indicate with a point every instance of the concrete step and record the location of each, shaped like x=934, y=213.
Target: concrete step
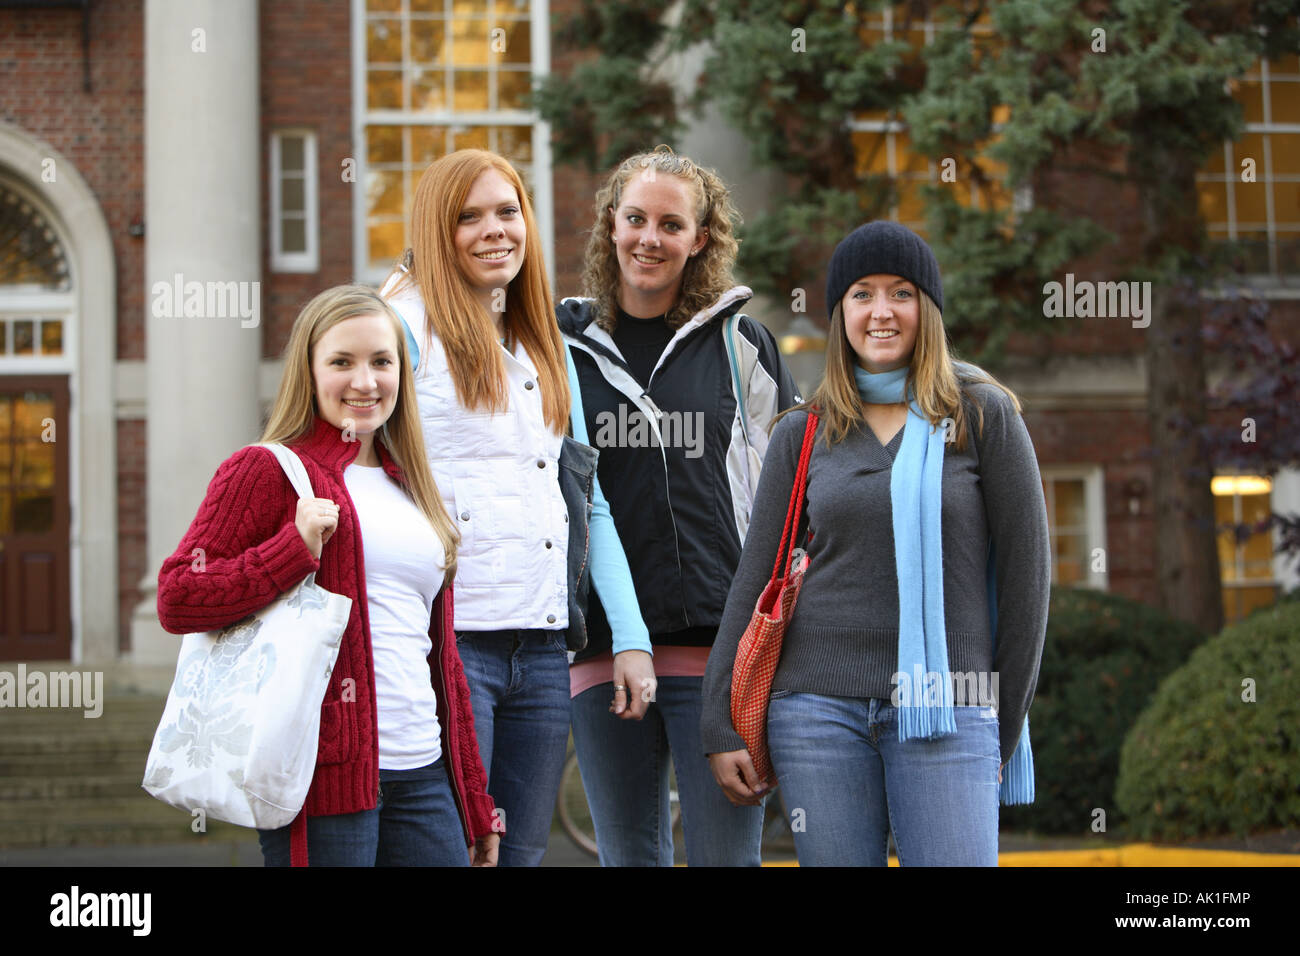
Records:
x=69, y=780
x=80, y=786
x=107, y=820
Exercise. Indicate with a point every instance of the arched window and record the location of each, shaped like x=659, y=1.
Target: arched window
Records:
x=35, y=284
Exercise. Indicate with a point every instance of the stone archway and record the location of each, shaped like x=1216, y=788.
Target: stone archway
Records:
x=74, y=211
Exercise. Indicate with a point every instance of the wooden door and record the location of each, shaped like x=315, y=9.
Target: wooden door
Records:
x=35, y=519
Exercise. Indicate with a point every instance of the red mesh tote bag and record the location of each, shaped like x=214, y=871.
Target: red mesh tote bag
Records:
x=760, y=646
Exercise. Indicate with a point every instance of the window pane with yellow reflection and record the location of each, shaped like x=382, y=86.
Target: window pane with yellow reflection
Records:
x=1213, y=200
x=871, y=152
x=1286, y=160
x=1284, y=100
x=387, y=242
x=471, y=91
x=1241, y=602
x=384, y=41
x=428, y=144
x=1252, y=202
x=513, y=90
x=1250, y=94
x=475, y=137
x=469, y=42
x=52, y=337
x=515, y=143
x=383, y=144
x=24, y=331
x=384, y=89
x=518, y=43
x=428, y=90
x=384, y=192
x=427, y=41
x=1069, y=559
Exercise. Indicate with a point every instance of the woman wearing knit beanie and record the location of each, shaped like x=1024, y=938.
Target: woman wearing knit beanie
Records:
x=901, y=699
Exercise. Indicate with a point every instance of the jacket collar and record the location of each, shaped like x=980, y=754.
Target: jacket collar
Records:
x=326, y=445
x=577, y=319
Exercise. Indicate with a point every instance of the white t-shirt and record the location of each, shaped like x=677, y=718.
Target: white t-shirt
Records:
x=404, y=570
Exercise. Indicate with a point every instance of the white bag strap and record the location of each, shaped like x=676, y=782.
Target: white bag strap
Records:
x=293, y=468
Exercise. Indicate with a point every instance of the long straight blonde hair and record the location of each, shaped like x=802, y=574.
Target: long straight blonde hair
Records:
x=933, y=377
x=467, y=332
x=293, y=415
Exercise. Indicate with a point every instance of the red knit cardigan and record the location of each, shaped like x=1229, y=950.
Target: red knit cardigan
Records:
x=252, y=552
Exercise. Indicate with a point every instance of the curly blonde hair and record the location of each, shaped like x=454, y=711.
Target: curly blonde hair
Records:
x=705, y=277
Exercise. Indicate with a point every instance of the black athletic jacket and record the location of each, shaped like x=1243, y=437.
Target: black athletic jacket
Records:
x=678, y=461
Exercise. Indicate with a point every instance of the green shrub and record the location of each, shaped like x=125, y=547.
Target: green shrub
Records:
x=1201, y=761
x=1104, y=657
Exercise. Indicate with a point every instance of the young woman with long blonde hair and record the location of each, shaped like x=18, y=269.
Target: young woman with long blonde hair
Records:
x=911, y=658
x=398, y=778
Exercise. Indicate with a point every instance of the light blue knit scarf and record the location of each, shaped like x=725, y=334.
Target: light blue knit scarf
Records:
x=916, y=497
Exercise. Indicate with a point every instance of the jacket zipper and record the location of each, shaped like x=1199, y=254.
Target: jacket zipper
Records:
x=601, y=363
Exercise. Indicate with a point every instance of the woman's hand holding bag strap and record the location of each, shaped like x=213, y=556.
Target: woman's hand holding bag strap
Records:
x=759, y=652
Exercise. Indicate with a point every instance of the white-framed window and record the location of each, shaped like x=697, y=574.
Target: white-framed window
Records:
x=1247, y=569
x=431, y=77
x=1262, y=210
x=1076, y=522
x=37, y=304
x=295, y=232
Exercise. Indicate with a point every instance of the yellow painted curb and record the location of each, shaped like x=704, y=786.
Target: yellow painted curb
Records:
x=1135, y=854
x=1146, y=854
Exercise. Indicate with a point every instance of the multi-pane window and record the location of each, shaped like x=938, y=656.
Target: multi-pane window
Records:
x=882, y=145
x=294, y=234
x=1250, y=189
x=1076, y=523
x=36, y=301
x=435, y=76
x=1242, y=503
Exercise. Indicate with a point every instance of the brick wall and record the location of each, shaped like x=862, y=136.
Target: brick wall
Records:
x=100, y=132
x=306, y=79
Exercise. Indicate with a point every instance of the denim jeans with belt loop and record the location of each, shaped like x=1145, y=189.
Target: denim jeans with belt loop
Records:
x=847, y=780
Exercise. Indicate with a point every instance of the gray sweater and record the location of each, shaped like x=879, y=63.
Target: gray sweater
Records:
x=842, y=639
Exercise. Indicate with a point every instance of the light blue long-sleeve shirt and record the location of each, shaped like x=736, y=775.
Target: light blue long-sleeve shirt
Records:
x=610, y=574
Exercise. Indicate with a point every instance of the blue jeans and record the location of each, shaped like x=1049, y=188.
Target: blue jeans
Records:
x=847, y=779
x=415, y=823
x=624, y=767
x=519, y=689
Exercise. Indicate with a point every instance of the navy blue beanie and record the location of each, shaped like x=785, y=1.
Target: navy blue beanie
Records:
x=882, y=248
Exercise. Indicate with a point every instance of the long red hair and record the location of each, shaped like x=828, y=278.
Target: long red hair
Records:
x=467, y=332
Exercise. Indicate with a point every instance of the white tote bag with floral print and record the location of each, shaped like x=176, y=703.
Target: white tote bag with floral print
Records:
x=239, y=734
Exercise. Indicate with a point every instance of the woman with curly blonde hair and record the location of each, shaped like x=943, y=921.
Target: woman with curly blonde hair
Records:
x=678, y=390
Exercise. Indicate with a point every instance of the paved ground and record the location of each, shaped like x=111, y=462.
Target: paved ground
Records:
x=560, y=852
